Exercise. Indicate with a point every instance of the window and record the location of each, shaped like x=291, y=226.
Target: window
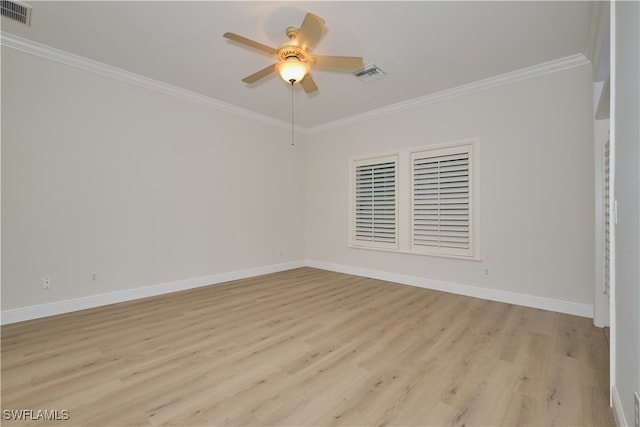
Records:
x=375, y=203
x=441, y=201
x=418, y=201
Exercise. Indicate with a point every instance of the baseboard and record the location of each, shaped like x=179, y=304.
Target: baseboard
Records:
x=560, y=306
x=618, y=413
x=91, y=301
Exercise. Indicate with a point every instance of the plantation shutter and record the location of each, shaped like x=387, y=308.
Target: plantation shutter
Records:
x=375, y=203
x=607, y=218
x=442, y=201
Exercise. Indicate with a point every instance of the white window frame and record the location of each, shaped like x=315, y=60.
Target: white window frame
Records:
x=442, y=218
x=384, y=233
x=405, y=202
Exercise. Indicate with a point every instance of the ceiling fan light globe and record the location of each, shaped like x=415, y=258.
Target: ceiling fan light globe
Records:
x=292, y=70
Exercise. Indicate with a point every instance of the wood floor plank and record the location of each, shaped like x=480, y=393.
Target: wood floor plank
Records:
x=308, y=347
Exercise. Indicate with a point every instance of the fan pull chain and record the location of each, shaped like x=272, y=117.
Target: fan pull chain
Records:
x=292, y=82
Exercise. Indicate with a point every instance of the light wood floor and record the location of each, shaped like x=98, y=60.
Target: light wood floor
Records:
x=309, y=347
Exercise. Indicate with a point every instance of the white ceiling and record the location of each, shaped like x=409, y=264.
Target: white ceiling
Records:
x=424, y=47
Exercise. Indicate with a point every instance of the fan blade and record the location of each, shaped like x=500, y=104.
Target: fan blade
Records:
x=260, y=74
x=310, y=32
x=308, y=84
x=251, y=43
x=346, y=62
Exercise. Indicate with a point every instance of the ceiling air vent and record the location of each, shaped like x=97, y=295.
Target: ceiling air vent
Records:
x=17, y=11
x=369, y=73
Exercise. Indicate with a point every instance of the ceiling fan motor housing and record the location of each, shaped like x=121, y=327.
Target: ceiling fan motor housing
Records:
x=288, y=52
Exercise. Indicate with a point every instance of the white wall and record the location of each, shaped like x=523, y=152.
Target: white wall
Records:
x=143, y=188
x=535, y=185
x=626, y=126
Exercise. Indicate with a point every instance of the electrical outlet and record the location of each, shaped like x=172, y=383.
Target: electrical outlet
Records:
x=93, y=277
x=636, y=405
x=46, y=282
x=486, y=271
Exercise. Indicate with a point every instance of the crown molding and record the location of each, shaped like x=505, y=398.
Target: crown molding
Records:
x=491, y=82
x=51, y=53
x=70, y=59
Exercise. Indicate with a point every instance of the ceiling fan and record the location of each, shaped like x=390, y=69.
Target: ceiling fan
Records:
x=295, y=56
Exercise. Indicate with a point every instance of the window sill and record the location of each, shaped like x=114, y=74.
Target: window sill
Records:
x=405, y=252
